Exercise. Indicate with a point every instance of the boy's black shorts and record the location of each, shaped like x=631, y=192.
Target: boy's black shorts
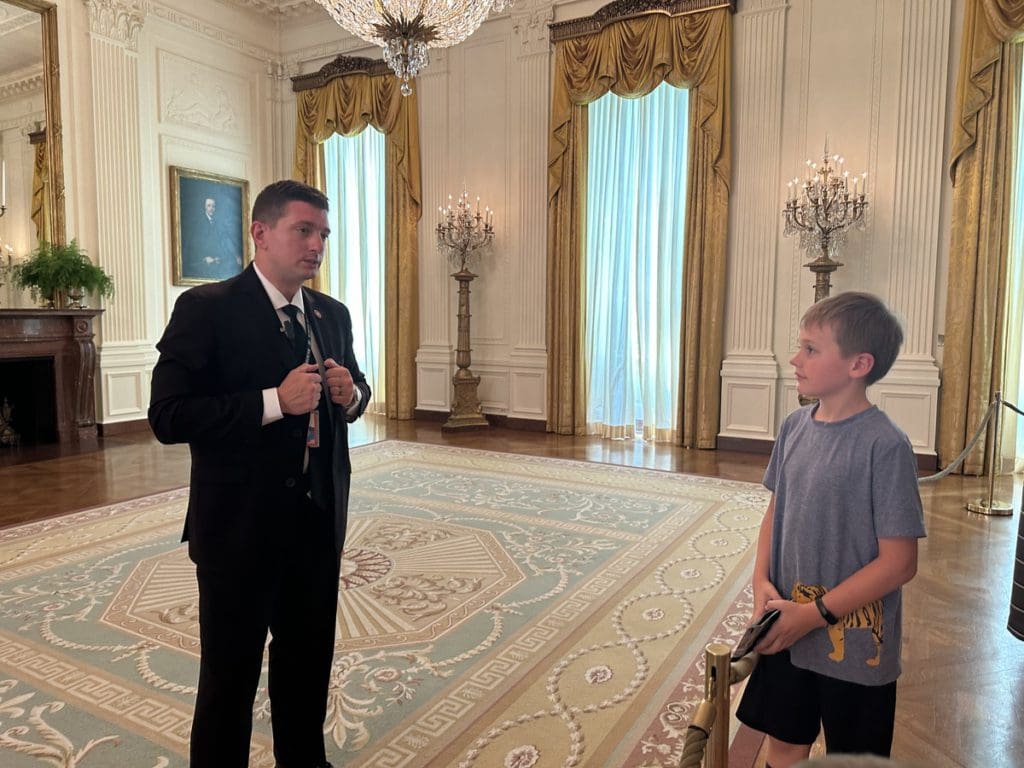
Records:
x=792, y=704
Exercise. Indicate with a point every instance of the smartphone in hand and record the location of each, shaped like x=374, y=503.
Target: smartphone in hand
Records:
x=755, y=632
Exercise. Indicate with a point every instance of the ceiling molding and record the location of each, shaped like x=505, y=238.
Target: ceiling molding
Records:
x=22, y=82
x=278, y=9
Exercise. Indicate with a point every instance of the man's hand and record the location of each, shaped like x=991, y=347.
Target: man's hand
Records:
x=339, y=383
x=300, y=391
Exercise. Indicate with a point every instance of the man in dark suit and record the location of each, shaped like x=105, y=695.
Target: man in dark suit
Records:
x=258, y=376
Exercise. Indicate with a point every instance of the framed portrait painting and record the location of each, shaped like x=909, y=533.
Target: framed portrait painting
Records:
x=209, y=226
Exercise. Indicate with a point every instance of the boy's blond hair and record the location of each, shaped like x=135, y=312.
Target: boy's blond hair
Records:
x=860, y=322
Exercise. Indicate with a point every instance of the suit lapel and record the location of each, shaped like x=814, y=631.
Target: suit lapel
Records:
x=323, y=332
x=265, y=319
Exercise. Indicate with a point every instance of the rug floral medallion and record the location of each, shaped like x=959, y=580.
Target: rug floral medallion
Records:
x=494, y=611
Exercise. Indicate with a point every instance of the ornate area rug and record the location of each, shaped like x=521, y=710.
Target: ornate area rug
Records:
x=496, y=610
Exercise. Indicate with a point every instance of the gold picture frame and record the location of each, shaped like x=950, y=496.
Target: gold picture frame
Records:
x=209, y=226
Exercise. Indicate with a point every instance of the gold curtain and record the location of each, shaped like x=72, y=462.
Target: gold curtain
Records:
x=631, y=58
x=982, y=147
x=40, y=181
x=346, y=105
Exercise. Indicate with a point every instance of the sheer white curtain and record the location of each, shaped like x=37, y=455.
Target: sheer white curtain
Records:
x=1013, y=370
x=636, y=195
x=355, y=249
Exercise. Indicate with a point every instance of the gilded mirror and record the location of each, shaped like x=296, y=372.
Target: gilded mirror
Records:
x=30, y=125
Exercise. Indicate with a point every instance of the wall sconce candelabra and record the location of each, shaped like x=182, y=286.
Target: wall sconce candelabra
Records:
x=821, y=209
x=462, y=234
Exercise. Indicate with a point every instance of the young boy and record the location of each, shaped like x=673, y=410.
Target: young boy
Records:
x=838, y=540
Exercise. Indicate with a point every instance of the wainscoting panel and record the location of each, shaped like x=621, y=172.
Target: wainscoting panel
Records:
x=750, y=406
x=125, y=373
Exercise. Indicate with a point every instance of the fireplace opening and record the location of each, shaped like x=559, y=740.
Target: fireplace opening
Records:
x=28, y=402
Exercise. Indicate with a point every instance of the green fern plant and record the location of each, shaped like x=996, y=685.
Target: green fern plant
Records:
x=54, y=271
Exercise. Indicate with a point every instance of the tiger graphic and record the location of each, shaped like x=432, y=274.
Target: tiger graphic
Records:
x=866, y=617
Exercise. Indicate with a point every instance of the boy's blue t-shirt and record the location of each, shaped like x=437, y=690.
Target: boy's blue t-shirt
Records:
x=839, y=487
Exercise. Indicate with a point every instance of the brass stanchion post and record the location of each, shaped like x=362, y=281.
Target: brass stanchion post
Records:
x=716, y=690
x=990, y=506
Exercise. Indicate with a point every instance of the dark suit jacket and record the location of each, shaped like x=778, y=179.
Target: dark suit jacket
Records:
x=222, y=347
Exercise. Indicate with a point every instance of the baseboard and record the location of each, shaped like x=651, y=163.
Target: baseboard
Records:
x=513, y=422
x=926, y=462
x=122, y=427
x=745, y=445
x=495, y=420
x=421, y=414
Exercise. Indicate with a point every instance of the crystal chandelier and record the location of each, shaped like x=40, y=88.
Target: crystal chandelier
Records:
x=405, y=29
x=821, y=210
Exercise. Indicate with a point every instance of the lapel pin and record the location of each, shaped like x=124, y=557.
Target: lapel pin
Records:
x=317, y=315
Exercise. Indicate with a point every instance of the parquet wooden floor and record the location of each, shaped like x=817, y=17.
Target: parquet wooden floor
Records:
x=961, y=697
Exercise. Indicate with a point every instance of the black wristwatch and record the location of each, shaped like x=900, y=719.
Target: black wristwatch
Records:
x=826, y=614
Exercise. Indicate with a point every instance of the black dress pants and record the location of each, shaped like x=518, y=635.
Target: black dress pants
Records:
x=294, y=595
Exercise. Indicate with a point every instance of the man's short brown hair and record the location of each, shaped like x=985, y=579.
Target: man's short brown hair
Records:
x=860, y=322
x=271, y=202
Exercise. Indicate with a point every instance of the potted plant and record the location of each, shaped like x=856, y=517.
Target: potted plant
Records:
x=61, y=275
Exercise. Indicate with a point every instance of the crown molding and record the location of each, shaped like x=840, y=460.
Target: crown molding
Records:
x=22, y=82
x=18, y=22
x=212, y=32
x=277, y=9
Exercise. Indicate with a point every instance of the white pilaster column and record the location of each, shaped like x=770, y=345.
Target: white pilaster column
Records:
x=281, y=139
x=910, y=391
x=435, y=357
x=126, y=354
x=532, y=91
x=749, y=371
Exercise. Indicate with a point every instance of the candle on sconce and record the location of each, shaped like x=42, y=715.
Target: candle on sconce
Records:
x=3, y=194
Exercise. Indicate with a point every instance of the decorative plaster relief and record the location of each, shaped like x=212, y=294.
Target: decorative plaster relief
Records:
x=118, y=20
x=202, y=97
x=532, y=30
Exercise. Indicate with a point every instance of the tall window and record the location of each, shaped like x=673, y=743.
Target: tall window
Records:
x=355, y=260
x=636, y=201
x=1013, y=374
